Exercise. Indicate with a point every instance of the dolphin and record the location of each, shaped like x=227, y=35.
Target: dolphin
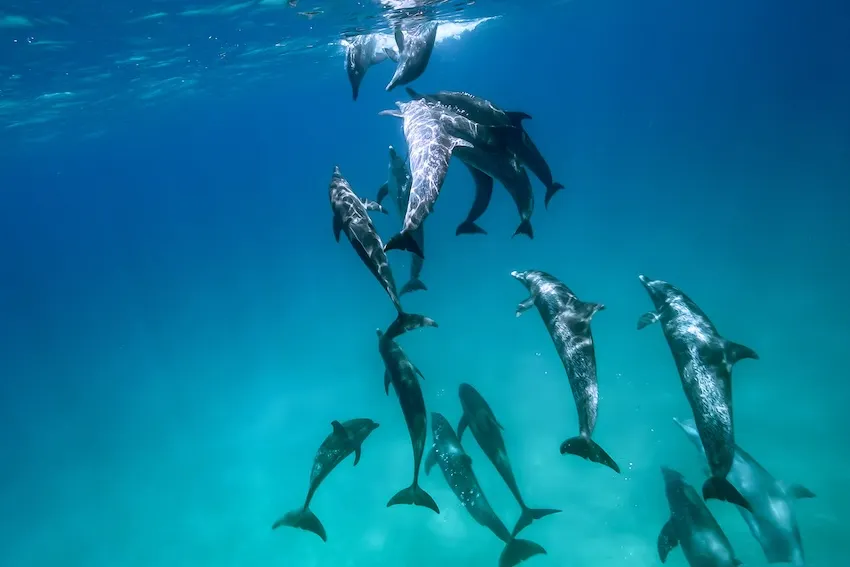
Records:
x=404, y=376
x=457, y=470
x=704, y=360
x=399, y=182
x=346, y=438
x=487, y=431
x=483, y=111
x=415, y=46
x=773, y=521
x=433, y=132
x=350, y=215
x=362, y=52
x=483, y=193
x=504, y=167
x=567, y=319
x=692, y=525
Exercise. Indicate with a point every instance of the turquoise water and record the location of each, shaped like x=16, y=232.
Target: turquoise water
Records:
x=180, y=327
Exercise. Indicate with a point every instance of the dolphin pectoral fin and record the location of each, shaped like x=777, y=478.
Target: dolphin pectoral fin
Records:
x=392, y=54
x=387, y=380
x=373, y=206
x=418, y=372
x=413, y=94
x=736, y=352
x=648, y=319
x=339, y=429
x=395, y=113
x=717, y=488
x=337, y=227
x=799, y=491
x=383, y=191
x=461, y=426
x=460, y=143
x=356, y=455
x=496, y=422
x=430, y=460
x=517, y=117
x=667, y=540
x=524, y=306
x=591, y=309
x=399, y=38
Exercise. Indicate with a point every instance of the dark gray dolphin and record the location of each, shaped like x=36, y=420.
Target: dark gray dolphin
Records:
x=415, y=45
x=704, y=360
x=773, y=521
x=487, y=431
x=433, y=132
x=503, y=166
x=346, y=438
x=398, y=183
x=483, y=193
x=692, y=526
x=350, y=216
x=457, y=470
x=567, y=319
x=404, y=376
x=484, y=112
x=362, y=52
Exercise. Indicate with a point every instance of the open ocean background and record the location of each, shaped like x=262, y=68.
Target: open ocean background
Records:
x=178, y=327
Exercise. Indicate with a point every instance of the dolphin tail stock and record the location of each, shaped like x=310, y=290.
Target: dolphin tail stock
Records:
x=392, y=54
x=405, y=322
x=529, y=515
x=586, y=448
x=414, y=495
x=525, y=228
x=467, y=227
x=718, y=488
x=550, y=192
x=304, y=519
x=404, y=241
x=518, y=550
x=415, y=284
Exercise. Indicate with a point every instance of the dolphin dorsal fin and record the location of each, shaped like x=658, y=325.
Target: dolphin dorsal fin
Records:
x=736, y=352
x=339, y=429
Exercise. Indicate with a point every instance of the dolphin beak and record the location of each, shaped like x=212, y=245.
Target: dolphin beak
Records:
x=643, y=279
x=515, y=274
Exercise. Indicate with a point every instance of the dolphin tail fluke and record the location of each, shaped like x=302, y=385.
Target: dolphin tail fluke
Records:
x=415, y=284
x=518, y=550
x=304, y=519
x=467, y=227
x=408, y=322
x=587, y=448
x=716, y=488
x=415, y=496
x=525, y=228
x=529, y=515
x=404, y=241
x=550, y=192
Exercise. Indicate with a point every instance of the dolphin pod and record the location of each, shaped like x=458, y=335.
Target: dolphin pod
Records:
x=493, y=145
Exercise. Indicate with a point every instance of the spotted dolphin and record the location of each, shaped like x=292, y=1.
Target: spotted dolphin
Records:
x=433, y=132
x=503, y=166
x=415, y=45
x=398, y=183
x=483, y=111
x=350, y=215
x=404, y=377
x=567, y=319
x=773, y=521
x=704, y=360
x=692, y=526
x=456, y=467
x=346, y=438
x=479, y=418
x=361, y=53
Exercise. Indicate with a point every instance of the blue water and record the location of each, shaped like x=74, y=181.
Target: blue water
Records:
x=179, y=327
